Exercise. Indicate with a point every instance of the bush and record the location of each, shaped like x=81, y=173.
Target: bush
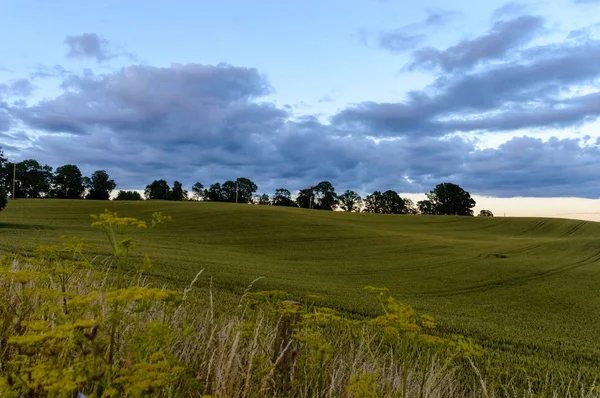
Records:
x=128, y=195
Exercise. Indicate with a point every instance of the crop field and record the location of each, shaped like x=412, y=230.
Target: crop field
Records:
x=525, y=288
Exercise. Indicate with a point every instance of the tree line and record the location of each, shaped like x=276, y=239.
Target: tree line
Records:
x=34, y=180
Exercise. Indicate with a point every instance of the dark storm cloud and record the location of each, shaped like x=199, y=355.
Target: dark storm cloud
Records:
x=210, y=123
x=528, y=166
x=185, y=100
x=504, y=37
x=527, y=91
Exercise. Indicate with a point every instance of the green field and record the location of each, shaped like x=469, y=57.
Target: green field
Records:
x=526, y=288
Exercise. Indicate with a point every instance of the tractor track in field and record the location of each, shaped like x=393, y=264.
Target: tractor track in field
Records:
x=515, y=281
x=574, y=229
x=537, y=226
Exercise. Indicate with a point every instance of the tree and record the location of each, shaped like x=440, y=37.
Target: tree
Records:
x=485, y=213
x=264, y=199
x=240, y=190
x=282, y=197
x=214, y=193
x=350, y=201
x=178, y=193
x=129, y=195
x=425, y=207
x=306, y=198
x=450, y=199
x=68, y=183
x=410, y=206
x=99, y=185
x=3, y=199
x=32, y=179
x=392, y=203
x=388, y=202
x=325, y=196
x=322, y=196
x=3, y=191
x=159, y=189
x=5, y=174
x=198, y=191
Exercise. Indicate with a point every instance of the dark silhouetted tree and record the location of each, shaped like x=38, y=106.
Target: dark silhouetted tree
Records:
x=128, y=195
x=264, y=199
x=388, y=202
x=282, y=197
x=214, y=193
x=450, y=199
x=198, y=191
x=485, y=213
x=325, y=196
x=178, y=193
x=410, y=207
x=306, y=198
x=159, y=189
x=425, y=207
x=3, y=180
x=5, y=174
x=242, y=188
x=32, y=179
x=99, y=185
x=350, y=201
x=67, y=183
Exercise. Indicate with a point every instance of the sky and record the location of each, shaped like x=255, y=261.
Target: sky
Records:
x=500, y=98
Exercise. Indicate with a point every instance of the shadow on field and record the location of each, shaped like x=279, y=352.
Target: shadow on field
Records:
x=4, y=225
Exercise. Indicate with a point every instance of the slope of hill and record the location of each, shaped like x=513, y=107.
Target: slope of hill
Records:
x=520, y=285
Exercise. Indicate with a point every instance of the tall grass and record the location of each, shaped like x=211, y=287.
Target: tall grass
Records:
x=73, y=324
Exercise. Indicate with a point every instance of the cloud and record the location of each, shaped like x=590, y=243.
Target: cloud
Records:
x=16, y=88
x=410, y=36
x=5, y=122
x=528, y=166
x=502, y=38
x=208, y=123
x=89, y=45
x=43, y=71
x=531, y=90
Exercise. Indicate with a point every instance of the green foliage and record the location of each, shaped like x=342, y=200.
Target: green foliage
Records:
x=99, y=185
x=67, y=183
x=3, y=199
x=450, y=199
x=33, y=179
x=158, y=189
x=240, y=190
x=524, y=288
x=283, y=197
x=388, y=202
x=198, y=191
x=322, y=197
x=350, y=201
x=67, y=327
x=128, y=195
x=264, y=200
x=178, y=193
x=485, y=213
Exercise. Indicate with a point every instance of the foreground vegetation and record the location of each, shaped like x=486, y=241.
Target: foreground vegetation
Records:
x=67, y=328
x=524, y=289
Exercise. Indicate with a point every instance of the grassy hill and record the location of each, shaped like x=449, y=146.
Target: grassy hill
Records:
x=526, y=288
